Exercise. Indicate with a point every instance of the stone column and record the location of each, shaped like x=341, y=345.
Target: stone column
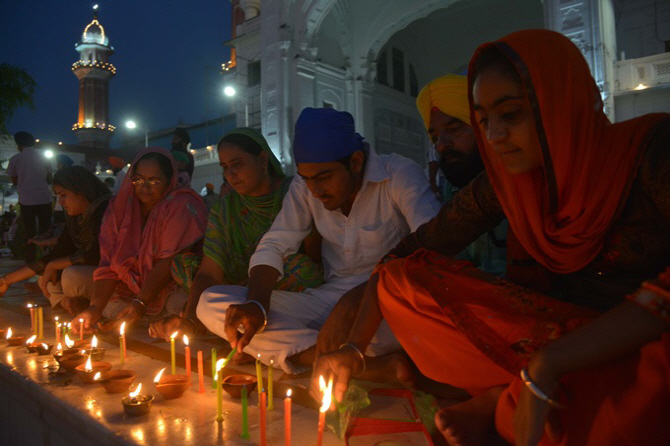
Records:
x=590, y=25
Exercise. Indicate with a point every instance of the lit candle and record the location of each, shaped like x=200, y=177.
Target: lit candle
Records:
x=122, y=343
x=187, y=359
x=57, y=328
x=245, y=417
x=81, y=329
x=213, y=358
x=172, y=353
x=32, y=318
x=259, y=375
x=201, y=373
x=325, y=405
x=68, y=342
x=40, y=322
x=287, y=418
x=271, y=404
x=219, y=396
x=263, y=405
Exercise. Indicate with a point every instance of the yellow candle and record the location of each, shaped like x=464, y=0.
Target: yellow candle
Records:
x=219, y=398
x=271, y=404
x=40, y=320
x=259, y=375
x=122, y=343
x=172, y=352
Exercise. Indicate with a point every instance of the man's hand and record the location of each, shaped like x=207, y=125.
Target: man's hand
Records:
x=335, y=330
x=132, y=313
x=163, y=328
x=50, y=275
x=341, y=365
x=250, y=317
x=90, y=317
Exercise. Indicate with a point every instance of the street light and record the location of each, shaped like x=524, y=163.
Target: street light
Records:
x=133, y=125
x=48, y=153
x=229, y=91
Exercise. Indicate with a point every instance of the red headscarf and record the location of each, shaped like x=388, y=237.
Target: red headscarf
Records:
x=561, y=212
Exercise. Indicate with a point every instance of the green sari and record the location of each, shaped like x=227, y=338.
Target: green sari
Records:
x=236, y=225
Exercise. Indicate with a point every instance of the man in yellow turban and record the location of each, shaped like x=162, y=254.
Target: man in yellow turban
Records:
x=443, y=105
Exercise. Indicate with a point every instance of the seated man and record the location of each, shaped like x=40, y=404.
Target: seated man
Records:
x=443, y=105
x=361, y=203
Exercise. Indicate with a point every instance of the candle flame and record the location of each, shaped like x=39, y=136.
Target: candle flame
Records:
x=81, y=321
x=327, y=393
x=83, y=352
x=122, y=330
x=157, y=379
x=88, y=367
x=9, y=332
x=185, y=339
x=56, y=319
x=137, y=391
x=289, y=393
x=29, y=305
x=31, y=339
x=94, y=342
x=97, y=376
x=219, y=365
x=174, y=335
x=44, y=346
x=59, y=347
x=69, y=342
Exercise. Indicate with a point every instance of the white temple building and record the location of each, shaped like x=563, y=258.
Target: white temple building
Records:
x=371, y=57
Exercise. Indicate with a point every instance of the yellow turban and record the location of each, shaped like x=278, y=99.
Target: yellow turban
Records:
x=449, y=94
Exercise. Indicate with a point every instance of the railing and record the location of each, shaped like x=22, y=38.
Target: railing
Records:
x=642, y=73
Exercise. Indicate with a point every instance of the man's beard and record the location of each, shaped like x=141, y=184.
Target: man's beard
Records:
x=462, y=168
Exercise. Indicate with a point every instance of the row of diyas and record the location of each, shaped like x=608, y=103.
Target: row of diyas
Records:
x=84, y=358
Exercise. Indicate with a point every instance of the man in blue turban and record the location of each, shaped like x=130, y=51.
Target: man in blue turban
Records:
x=361, y=203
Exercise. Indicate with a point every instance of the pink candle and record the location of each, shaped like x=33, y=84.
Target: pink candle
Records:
x=263, y=404
x=287, y=418
x=322, y=423
x=81, y=329
x=57, y=330
x=201, y=373
x=187, y=358
x=32, y=318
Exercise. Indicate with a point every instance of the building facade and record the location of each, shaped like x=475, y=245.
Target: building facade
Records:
x=372, y=57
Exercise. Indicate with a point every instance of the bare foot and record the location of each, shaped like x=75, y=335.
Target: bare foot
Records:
x=393, y=368
x=471, y=422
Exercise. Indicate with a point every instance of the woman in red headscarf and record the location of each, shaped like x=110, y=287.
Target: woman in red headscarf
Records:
x=580, y=354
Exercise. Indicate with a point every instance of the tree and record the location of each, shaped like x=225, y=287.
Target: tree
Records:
x=16, y=90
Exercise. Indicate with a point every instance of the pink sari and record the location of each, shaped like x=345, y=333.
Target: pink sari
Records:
x=128, y=253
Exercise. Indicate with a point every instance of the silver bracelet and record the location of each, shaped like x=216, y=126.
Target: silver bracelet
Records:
x=535, y=390
x=141, y=303
x=265, y=315
x=358, y=352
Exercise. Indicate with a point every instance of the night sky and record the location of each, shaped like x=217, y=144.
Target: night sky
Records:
x=168, y=55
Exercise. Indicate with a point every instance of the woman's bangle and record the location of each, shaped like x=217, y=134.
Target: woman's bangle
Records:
x=360, y=354
x=265, y=315
x=535, y=390
x=141, y=303
x=196, y=326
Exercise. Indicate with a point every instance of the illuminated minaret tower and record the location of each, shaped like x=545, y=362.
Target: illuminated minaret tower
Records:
x=94, y=72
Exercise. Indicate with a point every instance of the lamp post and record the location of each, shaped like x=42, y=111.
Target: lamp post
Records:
x=132, y=125
x=230, y=91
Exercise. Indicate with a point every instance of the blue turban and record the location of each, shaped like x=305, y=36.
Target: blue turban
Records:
x=64, y=160
x=323, y=135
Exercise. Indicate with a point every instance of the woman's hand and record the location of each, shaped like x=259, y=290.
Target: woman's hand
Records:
x=4, y=286
x=50, y=275
x=133, y=312
x=341, y=364
x=90, y=317
x=250, y=317
x=163, y=328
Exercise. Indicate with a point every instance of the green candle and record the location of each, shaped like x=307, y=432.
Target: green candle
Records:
x=213, y=368
x=219, y=399
x=245, y=420
x=271, y=404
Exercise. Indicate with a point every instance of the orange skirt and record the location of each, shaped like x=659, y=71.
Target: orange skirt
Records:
x=475, y=331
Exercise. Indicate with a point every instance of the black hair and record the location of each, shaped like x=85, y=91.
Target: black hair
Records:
x=247, y=144
x=346, y=161
x=163, y=163
x=492, y=58
x=24, y=139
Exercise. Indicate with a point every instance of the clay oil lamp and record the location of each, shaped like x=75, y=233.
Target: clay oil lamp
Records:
x=59, y=353
x=87, y=371
x=44, y=349
x=233, y=384
x=83, y=343
x=31, y=345
x=115, y=381
x=171, y=386
x=70, y=362
x=97, y=353
x=136, y=404
x=14, y=340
